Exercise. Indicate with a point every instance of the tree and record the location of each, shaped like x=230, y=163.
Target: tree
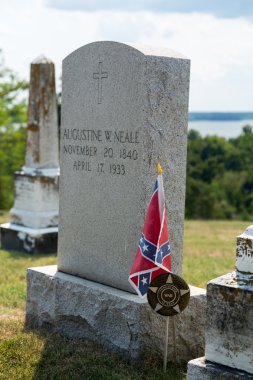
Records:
x=220, y=176
x=13, y=117
x=13, y=107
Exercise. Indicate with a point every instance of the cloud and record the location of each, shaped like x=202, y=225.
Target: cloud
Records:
x=221, y=8
x=222, y=60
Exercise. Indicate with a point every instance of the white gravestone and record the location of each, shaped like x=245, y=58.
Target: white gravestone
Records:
x=229, y=328
x=244, y=251
x=33, y=223
x=124, y=109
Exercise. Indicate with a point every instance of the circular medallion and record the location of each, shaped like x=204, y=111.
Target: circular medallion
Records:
x=168, y=294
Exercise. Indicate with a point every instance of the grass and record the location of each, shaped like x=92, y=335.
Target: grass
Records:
x=44, y=356
x=39, y=355
x=32, y=355
x=4, y=216
x=209, y=249
x=209, y=252
x=13, y=277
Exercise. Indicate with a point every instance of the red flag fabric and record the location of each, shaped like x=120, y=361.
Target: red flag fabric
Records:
x=153, y=256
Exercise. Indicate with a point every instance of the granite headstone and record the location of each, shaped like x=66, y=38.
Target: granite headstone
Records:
x=124, y=109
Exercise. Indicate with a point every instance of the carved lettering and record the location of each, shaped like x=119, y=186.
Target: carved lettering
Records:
x=82, y=134
x=101, y=167
x=90, y=151
x=109, y=146
x=108, y=135
x=82, y=166
x=99, y=76
x=108, y=152
x=126, y=137
x=117, y=169
x=131, y=154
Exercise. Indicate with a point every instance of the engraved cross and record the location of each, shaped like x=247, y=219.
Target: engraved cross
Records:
x=99, y=76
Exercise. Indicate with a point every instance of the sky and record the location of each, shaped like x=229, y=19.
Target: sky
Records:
x=217, y=35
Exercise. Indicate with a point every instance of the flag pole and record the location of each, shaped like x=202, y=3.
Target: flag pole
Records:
x=174, y=338
x=166, y=340
x=165, y=356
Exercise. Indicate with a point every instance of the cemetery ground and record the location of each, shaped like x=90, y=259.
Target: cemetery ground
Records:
x=209, y=251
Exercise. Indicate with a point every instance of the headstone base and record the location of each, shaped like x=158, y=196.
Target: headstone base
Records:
x=229, y=330
x=200, y=369
x=120, y=321
x=30, y=240
x=36, y=199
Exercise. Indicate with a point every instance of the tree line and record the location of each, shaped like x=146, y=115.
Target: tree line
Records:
x=220, y=176
x=13, y=115
x=219, y=181
x=219, y=171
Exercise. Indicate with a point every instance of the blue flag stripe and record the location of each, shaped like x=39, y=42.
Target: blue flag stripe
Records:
x=148, y=249
x=144, y=281
x=163, y=251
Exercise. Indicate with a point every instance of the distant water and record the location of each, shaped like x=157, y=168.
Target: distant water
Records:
x=226, y=128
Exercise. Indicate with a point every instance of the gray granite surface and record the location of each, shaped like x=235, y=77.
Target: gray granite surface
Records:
x=124, y=109
x=119, y=320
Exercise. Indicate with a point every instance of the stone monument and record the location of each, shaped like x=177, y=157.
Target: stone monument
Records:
x=33, y=223
x=229, y=330
x=124, y=109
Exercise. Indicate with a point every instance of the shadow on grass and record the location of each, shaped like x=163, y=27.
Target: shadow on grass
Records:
x=66, y=359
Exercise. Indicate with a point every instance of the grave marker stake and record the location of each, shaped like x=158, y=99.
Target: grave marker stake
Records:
x=166, y=340
x=174, y=339
x=165, y=357
x=168, y=295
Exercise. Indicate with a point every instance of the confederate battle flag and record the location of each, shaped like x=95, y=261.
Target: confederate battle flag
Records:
x=153, y=256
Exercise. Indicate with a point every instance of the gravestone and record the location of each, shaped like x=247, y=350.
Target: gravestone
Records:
x=229, y=330
x=124, y=109
x=33, y=223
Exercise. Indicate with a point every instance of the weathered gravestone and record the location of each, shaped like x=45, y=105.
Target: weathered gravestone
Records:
x=124, y=109
x=33, y=223
x=229, y=331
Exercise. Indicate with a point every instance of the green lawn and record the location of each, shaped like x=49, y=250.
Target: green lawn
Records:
x=209, y=249
x=209, y=252
x=33, y=355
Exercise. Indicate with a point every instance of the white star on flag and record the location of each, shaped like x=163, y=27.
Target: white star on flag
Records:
x=145, y=247
x=144, y=280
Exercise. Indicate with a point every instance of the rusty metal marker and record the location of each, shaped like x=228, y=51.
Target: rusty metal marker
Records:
x=168, y=294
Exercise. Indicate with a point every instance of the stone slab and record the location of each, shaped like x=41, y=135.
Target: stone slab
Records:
x=124, y=109
x=244, y=251
x=36, y=202
x=200, y=369
x=120, y=321
x=18, y=238
x=229, y=330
